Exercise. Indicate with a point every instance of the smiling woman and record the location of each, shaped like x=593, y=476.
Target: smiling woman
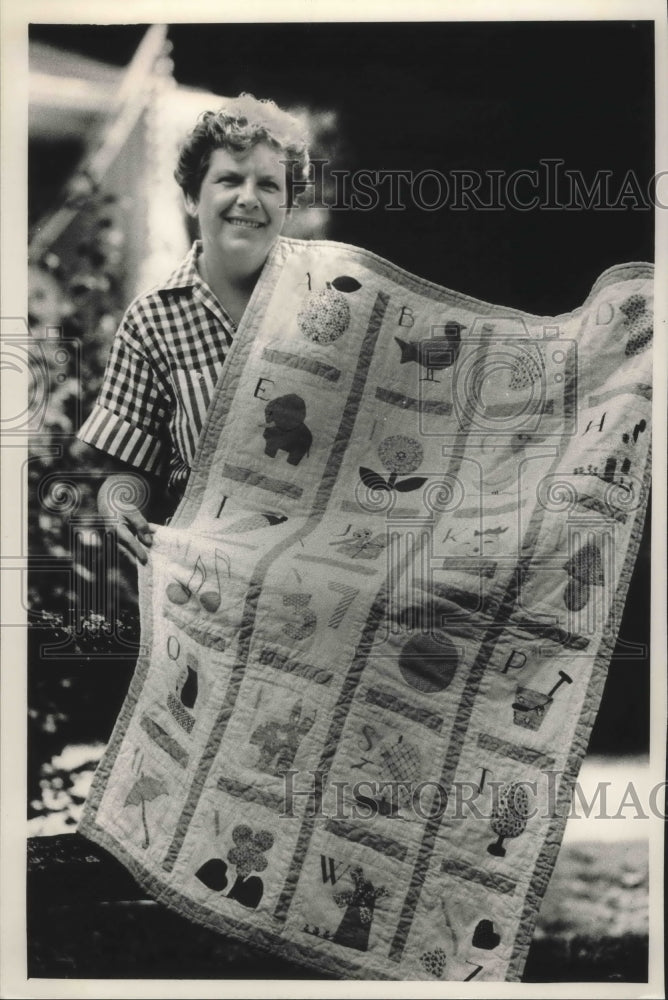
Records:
x=238, y=170
x=241, y=209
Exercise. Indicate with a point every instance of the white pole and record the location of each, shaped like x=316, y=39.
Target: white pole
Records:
x=133, y=94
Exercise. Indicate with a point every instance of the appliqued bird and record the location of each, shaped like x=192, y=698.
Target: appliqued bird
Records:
x=435, y=353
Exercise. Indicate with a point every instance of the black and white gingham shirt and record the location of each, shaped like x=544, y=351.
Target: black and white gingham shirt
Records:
x=164, y=364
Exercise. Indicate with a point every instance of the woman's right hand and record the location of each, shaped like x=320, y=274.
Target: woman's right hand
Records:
x=119, y=501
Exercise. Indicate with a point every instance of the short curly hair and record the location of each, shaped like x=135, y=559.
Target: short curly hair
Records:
x=241, y=123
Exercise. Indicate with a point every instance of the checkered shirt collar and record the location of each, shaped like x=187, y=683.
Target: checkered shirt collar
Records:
x=186, y=273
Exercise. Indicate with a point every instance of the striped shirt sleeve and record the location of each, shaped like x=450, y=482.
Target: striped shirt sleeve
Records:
x=129, y=419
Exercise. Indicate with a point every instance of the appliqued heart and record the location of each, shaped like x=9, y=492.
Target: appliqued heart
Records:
x=484, y=936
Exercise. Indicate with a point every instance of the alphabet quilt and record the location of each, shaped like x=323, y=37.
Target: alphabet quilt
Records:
x=375, y=633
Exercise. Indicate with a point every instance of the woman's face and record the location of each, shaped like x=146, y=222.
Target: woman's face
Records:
x=242, y=207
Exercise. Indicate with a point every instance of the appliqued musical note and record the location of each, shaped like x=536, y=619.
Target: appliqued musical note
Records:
x=180, y=593
x=210, y=600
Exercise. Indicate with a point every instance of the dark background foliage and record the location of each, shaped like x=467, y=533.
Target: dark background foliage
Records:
x=445, y=96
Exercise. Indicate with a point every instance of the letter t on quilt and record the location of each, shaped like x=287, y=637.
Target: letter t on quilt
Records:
x=377, y=630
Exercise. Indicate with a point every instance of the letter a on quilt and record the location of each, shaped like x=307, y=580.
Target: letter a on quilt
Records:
x=376, y=632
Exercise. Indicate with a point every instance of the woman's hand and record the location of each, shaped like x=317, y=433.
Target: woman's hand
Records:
x=120, y=501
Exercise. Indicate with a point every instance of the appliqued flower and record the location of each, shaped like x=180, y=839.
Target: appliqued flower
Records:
x=248, y=853
x=400, y=453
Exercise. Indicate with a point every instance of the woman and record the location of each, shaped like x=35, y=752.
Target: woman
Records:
x=238, y=171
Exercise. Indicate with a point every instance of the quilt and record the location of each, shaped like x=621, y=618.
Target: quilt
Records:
x=376, y=631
